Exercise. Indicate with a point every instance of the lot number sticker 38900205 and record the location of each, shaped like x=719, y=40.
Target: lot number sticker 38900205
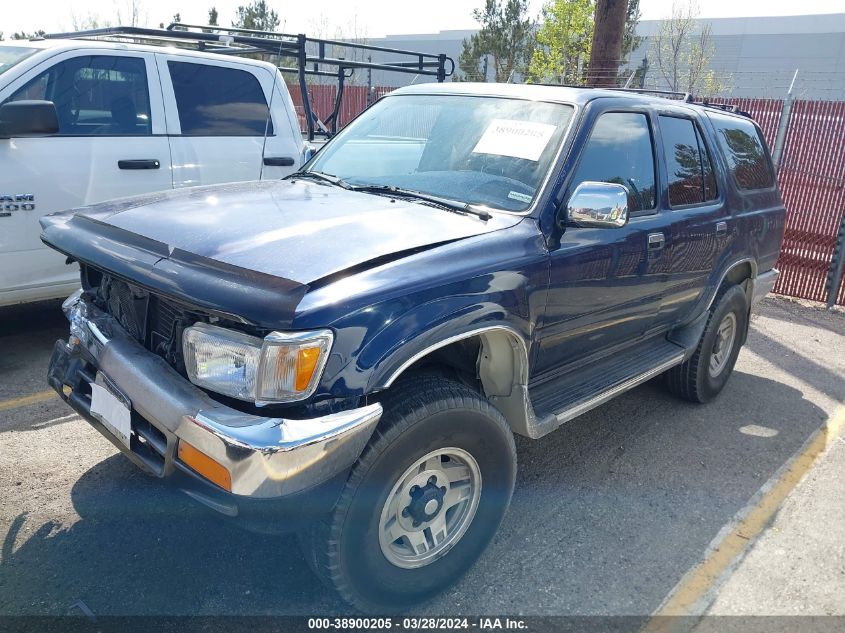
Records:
x=518, y=139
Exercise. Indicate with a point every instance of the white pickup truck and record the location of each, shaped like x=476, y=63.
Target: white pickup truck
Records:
x=126, y=119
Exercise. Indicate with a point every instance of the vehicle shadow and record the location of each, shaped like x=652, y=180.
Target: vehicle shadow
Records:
x=783, y=310
x=27, y=333
x=27, y=318
x=608, y=514
x=827, y=379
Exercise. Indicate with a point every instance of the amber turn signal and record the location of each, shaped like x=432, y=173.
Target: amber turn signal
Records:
x=203, y=465
x=306, y=362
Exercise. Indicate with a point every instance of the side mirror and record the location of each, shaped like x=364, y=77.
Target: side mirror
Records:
x=28, y=118
x=312, y=148
x=598, y=205
x=308, y=151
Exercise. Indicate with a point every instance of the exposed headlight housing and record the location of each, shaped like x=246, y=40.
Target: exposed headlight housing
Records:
x=281, y=367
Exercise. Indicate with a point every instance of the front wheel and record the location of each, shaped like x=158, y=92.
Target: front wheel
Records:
x=703, y=376
x=422, y=502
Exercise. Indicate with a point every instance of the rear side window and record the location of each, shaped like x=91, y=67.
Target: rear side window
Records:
x=619, y=151
x=688, y=166
x=744, y=151
x=95, y=95
x=216, y=101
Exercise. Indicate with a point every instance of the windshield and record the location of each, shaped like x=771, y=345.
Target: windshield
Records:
x=11, y=55
x=485, y=151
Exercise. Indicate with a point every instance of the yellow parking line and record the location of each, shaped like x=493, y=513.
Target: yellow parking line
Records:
x=23, y=401
x=689, y=595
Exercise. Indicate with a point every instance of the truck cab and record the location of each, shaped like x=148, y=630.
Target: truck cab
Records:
x=129, y=119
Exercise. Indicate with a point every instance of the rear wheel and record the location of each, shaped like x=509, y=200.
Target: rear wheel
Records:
x=704, y=375
x=422, y=502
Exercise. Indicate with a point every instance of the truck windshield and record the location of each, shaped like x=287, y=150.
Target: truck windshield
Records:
x=11, y=55
x=487, y=151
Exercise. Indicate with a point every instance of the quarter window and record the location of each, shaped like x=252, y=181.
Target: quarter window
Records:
x=747, y=159
x=217, y=101
x=688, y=166
x=95, y=95
x=620, y=151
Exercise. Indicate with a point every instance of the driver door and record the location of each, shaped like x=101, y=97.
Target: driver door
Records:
x=111, y=143
x=605, y=283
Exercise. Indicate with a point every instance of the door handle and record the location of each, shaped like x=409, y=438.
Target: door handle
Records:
x=656, y=241
x=279, y=161
x=138, y=163
x=721, y=228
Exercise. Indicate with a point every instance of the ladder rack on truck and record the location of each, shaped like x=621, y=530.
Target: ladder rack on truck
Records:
x=309, y=54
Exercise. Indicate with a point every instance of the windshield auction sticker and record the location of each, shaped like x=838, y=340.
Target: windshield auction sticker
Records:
x=519, y=139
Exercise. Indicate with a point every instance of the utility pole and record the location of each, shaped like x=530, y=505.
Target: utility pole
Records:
x=783, y=124
x=369, y=82
x=607, y=42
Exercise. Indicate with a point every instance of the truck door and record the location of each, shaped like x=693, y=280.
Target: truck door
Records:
x=217, y=115
x=605, y=284
x=110, y=144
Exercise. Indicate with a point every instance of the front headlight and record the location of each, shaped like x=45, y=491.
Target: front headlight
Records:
x=281, y=367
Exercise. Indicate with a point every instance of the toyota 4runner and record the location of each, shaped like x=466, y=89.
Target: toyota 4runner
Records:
x=347, y=352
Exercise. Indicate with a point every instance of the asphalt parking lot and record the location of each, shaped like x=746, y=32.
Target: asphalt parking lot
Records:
x=609, y=515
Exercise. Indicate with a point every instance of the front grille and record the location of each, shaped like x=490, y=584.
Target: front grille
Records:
x=155, y=322
x=126, y=304
x=166, y=321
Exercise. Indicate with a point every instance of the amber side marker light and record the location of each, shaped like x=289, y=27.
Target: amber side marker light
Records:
x=202, y=464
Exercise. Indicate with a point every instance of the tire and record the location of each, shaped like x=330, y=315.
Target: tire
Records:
x=422, y=415
x=695, y=380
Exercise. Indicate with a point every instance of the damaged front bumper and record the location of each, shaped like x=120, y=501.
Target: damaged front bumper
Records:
x=267, y=458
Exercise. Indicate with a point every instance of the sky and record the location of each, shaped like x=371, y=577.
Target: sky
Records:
x=375, y=18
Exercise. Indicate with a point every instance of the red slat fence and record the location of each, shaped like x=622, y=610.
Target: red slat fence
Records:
x=811, y=177
x=322, y=99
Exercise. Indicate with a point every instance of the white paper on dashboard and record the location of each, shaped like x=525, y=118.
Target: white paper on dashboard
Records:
x=519, y=139
x=111, y=411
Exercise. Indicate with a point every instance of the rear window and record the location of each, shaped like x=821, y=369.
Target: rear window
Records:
x=217, y=101
x=745, y=152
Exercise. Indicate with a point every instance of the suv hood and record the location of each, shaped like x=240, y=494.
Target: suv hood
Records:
x=299, y=231
x=294, y=233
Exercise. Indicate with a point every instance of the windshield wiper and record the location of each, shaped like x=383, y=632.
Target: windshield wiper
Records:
x=318, y=175
x=451, y=205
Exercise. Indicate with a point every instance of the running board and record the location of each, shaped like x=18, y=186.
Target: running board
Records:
x=579, y=390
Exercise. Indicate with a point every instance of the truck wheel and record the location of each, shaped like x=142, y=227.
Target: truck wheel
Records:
x=422, y=502
x=703, y=376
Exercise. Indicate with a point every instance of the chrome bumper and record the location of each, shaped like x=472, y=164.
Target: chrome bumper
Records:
x=763, y=285
x=266, y=457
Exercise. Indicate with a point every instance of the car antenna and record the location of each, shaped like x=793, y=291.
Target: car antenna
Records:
x=276, y=74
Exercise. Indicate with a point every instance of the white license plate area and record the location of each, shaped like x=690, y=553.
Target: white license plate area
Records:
x=112, y=410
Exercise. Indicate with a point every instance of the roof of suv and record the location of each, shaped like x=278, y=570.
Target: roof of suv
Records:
x=538, y=92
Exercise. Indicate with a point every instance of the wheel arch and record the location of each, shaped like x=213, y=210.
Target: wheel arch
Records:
x=501, y=367
x=738, y=273
x=741, y=273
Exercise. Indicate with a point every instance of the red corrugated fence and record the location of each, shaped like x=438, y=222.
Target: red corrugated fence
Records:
x=812, y=181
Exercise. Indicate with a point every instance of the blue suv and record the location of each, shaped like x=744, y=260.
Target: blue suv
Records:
x=347, y=353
